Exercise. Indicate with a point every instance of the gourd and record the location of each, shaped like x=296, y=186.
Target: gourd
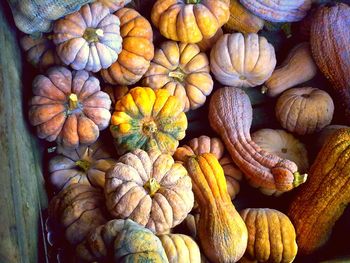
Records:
x=88, y=39
x=85, y=165
x=180, y=248
x=183, y=70
x=242, y=60
x=323, y=199
x=69, y=107
x=278, y=10
x=205, y=144
x=242, y=20
x=324, y=135
x=114, y=5
x=304, y=110
x=121, y=241
x=137, y=49
x=230, y=115
x=284, y=145
x=298, y=68
x=149, y=188
x=221, y=231
x=330, y=23
x=189, y=21
x=148, y=119
x=206, y=43
x=272, y=236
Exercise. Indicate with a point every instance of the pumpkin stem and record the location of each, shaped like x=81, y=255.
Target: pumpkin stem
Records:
x=193, y=2
x=149, y=127
x=92, y=34
x=178, y=75
x=264, y=89
x=299, y=179
x=151, y=186
x=83, y=164
x=72, y=101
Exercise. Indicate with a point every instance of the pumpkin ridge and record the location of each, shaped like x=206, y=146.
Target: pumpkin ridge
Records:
x=125, y=196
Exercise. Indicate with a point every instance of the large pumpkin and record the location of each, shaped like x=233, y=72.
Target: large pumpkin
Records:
x=137, y=51
x=69, y=107
x=189, y=21
x=183, y=70
x=149, y=188
x=147, y=119
x=88, y=39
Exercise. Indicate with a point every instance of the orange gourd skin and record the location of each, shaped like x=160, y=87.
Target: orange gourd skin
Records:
x=221, y=231
x=323, y=199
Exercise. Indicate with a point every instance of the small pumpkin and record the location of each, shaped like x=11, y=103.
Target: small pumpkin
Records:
x=147, y=119
x=298, y=68
x=114, y=5
x=183, y=70
x=85, y=165
x=121, y=241
x=137, y=50
x=309, y=110
x=323, y=199
x=242, y=60
x=180, y=248
x=189, y=21
x=206, y=43
x=69, y=107
x=271, y=235
x=325, y=134
x=278, y=10
x=149, y=188
x=88, y=39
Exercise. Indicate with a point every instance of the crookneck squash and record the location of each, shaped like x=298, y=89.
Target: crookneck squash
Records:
x=323, y=199
x=230, y=115
x=148, y=119
x=221, y=231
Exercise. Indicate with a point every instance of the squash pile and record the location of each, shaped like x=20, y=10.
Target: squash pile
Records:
x=114, y=97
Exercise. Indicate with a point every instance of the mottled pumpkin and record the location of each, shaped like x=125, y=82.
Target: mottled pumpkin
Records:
x=137, y=50
x=114, y=5
x=149, y=188
x=69, y=107
x=121, y=241
x=88, y=39
x=148, y=119
x=189, y=21
x=183, y=70
x=242, y=60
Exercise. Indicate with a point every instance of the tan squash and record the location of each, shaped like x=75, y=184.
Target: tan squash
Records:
x=207, y=43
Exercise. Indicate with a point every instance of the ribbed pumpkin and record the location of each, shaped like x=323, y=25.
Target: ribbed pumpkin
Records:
x=88, y=39
x=137, y=50
x=122, y=241
x=147, y=119
x=242, y=60
x=271, y=236
x=323, y=199
x=189, y=21
x=183, y=70
x=149, y=188
x=114, y=5
x=69, y=107
x=221, y=231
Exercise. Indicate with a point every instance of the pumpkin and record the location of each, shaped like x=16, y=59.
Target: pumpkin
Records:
x=230, y=115
x=331, y=23
x=205, y=144
x=121, y=241
x=279, y=10
x=147, y=119
x=85, y=165
x=114, y=5
x=115, y=93
x=271, y=235
x=189, y=21
x=78, y=209
x=180, y=248
x=242, y=60
x=69, y=107
x=304, y=110
x=40, y=52
x=242, y=20
x=325, y=134
x=137, y=50
x=88, y=39
x=149, y=188
x=323, y=199
x=284, y=145
x=206, y=43
x=221, y=231
x=298, y=68
x=183, y=70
